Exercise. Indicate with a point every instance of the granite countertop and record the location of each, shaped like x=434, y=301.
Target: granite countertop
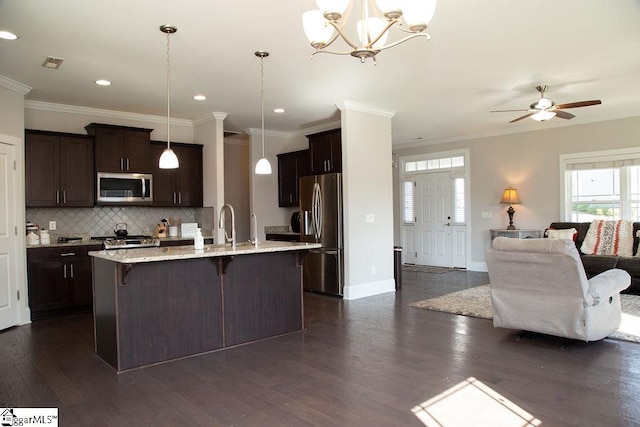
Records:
x=279, y=229
x=89, y=242
x=139, y=255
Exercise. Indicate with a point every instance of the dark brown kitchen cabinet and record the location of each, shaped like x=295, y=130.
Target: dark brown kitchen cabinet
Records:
x=182, y=186
x=59, y=280
x=291, y=166
x=325, y=152
x=120, y=148
x=59, y=169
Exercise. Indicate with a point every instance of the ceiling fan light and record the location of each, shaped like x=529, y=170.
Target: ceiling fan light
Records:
x=168, y=159
x=544, y=103
x=263, y=167
x=316, y=29
x=544, y=115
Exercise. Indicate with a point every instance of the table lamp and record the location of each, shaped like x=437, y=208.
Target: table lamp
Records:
x=510, y=197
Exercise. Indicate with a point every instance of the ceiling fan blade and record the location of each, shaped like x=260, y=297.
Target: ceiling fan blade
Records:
x=563, y=114
x=523, y=117
x=579, y=104
x=505, y=111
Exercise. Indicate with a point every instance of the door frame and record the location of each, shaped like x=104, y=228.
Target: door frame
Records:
x=464, y=172
x=19, y=211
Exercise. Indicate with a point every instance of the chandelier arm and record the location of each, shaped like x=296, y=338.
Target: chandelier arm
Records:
x=413, y=36
x=342, y=35
x=330, y=52
x=390, y=24
x=404, y=30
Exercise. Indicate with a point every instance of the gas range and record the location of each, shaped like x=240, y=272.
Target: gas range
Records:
x=128, y=242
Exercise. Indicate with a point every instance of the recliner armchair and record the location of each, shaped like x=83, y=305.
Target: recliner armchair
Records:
x=540, y=285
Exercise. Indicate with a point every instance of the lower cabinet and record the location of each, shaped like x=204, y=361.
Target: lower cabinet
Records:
x=59, y=280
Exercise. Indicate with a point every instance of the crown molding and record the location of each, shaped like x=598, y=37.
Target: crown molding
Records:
x=364, y=108
x=214, y=115
x=267, y=132
x=316, y=129
x=89, y=111
x=15, y=86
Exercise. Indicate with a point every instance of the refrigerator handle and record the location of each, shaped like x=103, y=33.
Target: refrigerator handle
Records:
x=317, y=210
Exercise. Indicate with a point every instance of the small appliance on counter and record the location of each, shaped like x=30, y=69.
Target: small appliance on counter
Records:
x=295, y=222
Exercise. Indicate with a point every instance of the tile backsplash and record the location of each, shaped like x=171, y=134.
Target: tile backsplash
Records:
x=102, y=220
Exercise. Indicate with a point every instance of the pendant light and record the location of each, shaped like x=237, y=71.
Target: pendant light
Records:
x=263, y=167
x=168, y=159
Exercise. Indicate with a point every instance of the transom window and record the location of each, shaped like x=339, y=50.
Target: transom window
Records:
x=434, y=164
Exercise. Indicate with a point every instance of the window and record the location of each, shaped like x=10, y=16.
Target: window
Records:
x=604, y=185
x=458, y=201
x=408, y=215
x=434, y=164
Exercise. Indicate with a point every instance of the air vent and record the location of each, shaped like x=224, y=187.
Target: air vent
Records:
x=53, y=63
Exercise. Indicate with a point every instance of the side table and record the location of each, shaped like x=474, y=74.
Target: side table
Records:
x=516, y=234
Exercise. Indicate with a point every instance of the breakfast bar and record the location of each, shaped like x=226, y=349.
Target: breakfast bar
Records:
x=157, y=304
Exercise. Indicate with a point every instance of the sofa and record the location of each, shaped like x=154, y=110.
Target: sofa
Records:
x=539, y=285
x=596, y=264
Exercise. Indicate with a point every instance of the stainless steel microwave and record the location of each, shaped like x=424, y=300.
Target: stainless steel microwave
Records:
x=124, y=188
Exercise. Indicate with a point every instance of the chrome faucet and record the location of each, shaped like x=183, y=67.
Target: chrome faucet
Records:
x=255, y=229
x=221, y=224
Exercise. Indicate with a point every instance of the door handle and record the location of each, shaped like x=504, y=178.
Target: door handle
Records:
x=64, y=196
x=57, y=197
x=179, y=198
x=121, y=164
x=71, y=268
x=448, y=224
x=127, y=164
x=64, y=271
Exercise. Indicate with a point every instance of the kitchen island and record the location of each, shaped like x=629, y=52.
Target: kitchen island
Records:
x=157, y=304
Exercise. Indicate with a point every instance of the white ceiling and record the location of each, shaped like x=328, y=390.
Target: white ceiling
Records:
x=484, y=55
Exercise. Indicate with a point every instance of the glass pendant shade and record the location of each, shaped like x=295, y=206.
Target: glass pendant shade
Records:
x=390, y=8
x=418, y=14
x=333, y=8
x=263, y=167
x=315, y=28
x=374, y=27
x=168, y=159
x=541, y=116
x=544, y=103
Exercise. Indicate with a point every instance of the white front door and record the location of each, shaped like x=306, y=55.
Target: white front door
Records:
x=433, y=200
x=8, y=240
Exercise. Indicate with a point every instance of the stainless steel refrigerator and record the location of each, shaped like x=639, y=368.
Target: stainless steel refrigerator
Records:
x=321, y=222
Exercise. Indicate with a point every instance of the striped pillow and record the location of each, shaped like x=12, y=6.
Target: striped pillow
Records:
x=609, y=238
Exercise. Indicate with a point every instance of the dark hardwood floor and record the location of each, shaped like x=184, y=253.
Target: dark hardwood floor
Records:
x=367, y=362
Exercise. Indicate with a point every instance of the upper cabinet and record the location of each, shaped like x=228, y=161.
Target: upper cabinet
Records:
x=59, y=169
x=291, y=166
x=182, y=186
x=325, y=152
x=120, y=148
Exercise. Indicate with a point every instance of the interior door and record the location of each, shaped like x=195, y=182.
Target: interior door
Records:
x=433, y=206
x=8, y=240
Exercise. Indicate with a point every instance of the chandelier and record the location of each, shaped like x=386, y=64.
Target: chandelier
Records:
x=324, y=26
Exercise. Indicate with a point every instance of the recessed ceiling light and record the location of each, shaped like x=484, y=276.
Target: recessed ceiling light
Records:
x=103, y=82
x=6, y=35
x=278, y=110
x=199, y=97
x=52, y=62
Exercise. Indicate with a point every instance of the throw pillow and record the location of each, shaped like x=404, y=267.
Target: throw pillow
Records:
x=570, y=233
x=609, y=238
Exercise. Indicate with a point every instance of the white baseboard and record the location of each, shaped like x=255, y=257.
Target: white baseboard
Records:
x=477, y=266
x=364, y=290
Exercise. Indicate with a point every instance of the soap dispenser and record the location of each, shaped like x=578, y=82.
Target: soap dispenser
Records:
x=198, y=240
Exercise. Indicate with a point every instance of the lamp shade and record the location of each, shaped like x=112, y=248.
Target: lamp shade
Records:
x=418, y=14
x=168, y=159
x=374, y=28
x=510, y=197
x=543, y=115
x=263, y=167
x=315, y=29
x=336, y=7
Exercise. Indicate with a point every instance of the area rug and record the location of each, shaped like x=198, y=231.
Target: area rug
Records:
x=476, y=302
x=426, y=269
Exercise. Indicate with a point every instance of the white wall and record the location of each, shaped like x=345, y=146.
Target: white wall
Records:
x=264, y=188
x=236, y=182
x=530, y=163
x=12, y=132
x=367, y=190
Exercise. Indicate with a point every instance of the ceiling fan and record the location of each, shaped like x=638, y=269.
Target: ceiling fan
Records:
x=546, y=109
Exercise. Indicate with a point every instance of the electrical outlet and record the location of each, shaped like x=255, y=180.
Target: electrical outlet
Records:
x=52, y=225
x=373, y=271
x=370, y=218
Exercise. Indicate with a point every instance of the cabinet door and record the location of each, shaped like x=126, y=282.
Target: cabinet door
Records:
x=48, y=287
x=188, y=177
x=287, y=180
x=163, y=191
x=325, y=152
x=42, y=170
x=76, y=171
x=81, y=281
x=109, y=149
x=136, y=151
